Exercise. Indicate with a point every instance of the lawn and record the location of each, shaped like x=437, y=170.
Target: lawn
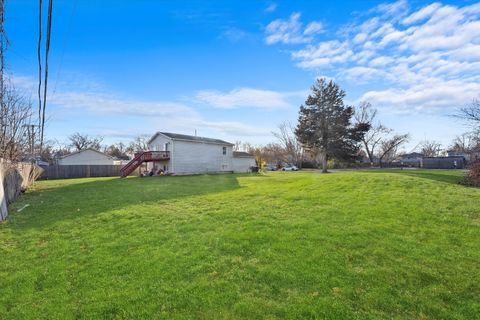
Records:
x=346, y=245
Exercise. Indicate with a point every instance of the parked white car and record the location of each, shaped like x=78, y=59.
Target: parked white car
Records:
x=290, y=168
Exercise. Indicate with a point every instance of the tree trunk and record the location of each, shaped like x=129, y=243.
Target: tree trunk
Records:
x=323, y=160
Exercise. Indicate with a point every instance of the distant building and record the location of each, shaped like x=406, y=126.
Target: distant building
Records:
x=469, y=156
x=454, y=162
x=242, y=161
x=413, y=159
x=86, y=157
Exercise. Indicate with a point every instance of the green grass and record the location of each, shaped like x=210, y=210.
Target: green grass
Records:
x=347, y=245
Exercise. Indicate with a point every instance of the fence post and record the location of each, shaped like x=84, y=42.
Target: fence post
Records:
x=3, y=200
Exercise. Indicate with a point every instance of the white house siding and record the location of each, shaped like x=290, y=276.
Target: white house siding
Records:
x=198, y=157
x=86, y=157
x=243, y=164
x=158, y=144
x=193, y=157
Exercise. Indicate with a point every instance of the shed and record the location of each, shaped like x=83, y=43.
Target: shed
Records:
x=243, y=161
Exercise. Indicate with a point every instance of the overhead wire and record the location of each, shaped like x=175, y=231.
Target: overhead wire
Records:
x=39, y=56
x=45, y=85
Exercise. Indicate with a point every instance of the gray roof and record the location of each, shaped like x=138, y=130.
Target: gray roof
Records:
x=241, y=154
x=177, y=136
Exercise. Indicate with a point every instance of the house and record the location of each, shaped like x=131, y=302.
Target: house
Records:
x=86, y=157
x=469, y=155
x=413, y=159
x=184, y=154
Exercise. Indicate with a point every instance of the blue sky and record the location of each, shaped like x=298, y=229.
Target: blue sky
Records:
x=237, y=69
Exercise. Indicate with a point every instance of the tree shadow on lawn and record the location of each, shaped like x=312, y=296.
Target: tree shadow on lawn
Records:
x=447, y=176
x=80, y=200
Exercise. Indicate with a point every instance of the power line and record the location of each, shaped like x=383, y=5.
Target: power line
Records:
x=39, y=56
x=45, y=85
x=65, y=42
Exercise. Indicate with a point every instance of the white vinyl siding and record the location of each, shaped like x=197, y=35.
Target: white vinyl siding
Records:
x=197, y=157
x=243, y=164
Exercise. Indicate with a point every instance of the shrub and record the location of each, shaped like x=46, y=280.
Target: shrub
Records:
x=473, y=175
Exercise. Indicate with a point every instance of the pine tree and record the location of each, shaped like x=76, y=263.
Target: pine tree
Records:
x=324, y=125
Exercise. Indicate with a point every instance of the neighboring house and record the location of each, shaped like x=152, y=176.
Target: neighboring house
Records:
x=469, y=155
x=413, y=159
x=185, y=154
x=86, y=157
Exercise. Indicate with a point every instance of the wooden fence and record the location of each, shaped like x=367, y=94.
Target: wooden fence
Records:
x=15, y=177
x=80, y=171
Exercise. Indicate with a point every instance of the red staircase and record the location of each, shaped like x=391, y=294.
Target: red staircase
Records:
x=146, y=156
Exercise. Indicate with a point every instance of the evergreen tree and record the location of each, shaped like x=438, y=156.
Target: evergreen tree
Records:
x=324, y=125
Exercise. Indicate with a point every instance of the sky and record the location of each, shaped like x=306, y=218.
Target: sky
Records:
x=235, y=70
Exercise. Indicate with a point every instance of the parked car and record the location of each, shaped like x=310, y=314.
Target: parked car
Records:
x=270, y=168
x=290, y=168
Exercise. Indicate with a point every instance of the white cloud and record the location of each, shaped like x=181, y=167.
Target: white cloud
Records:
x=406, y=50
x=324, y=54
x=153, y=115
x=107, y=103
x=424, y=13
x=426, y=97
x=234, y=128
x=271, y=7
x=392, y=8
x=244, y=97
x=291, y=31
x=313, y=28
x=233, y=34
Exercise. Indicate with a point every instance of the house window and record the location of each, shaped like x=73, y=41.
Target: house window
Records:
x=224, y=151
x=165, y=147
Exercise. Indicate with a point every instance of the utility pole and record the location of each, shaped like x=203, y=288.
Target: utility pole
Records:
x=3, y=46
x=31, y=139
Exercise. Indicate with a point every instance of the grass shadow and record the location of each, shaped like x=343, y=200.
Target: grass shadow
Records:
x=81, y=199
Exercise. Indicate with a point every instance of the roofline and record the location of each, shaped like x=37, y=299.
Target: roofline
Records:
x=190, y=140
x=243, y=155
x=73, y=153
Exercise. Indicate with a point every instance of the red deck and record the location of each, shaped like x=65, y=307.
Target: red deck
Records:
x=146, y=156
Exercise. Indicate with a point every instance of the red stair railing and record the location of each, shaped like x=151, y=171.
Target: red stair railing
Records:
x=146, y=156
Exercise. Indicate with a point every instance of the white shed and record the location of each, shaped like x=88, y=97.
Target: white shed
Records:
x=86, y=157
x=243, y=161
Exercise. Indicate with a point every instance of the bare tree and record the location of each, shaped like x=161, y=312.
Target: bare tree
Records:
x=430, y=148
x=286, y=138
x=376, y=135
x=83, y=141
x=389, y=147
x=237, y=146
x=471, y=113
x=466, y=142
x=139, y=143
x=117, y=150
x=15, y=118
